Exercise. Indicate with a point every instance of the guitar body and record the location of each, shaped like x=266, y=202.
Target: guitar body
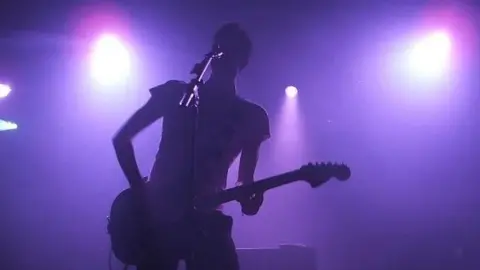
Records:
x=127, y=233
x=144, y=229
x=140, y=230
x=137, y=229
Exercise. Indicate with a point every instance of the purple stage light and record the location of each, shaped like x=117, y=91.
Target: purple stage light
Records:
x=291, y=91
x=110, y=60
x=430, y=57
x=4, y=90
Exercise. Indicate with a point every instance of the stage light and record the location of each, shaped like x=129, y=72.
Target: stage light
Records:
x=6, y=125
x=4, y=90
x=110, y=60
x=291, y=91
x=430, y=57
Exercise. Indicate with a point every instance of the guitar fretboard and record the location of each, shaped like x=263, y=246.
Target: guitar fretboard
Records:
x=235, y=193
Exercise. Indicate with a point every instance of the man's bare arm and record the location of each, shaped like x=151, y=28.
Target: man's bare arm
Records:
x=248, y=163
x=122, y=141
x=259, y=131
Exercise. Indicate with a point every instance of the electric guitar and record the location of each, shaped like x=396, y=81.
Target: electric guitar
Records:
x=127, y=234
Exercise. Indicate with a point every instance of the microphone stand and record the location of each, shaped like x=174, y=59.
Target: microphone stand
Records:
x=191, y=100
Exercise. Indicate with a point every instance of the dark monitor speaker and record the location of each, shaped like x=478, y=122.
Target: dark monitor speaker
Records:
x=285, y=257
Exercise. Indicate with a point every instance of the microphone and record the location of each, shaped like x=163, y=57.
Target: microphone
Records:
x=216, y=52
x=190, y=97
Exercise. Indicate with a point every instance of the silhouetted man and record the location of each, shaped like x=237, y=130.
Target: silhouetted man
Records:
x=227, y=126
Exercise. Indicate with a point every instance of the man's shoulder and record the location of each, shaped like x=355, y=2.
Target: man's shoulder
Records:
x=170, y=87
x=251, y=108
x=256, y=120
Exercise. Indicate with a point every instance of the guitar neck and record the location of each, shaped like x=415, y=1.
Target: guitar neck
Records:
x=270, y=183
x=263, y=185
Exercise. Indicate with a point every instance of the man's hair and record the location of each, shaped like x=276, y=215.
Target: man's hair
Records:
x=235, y=34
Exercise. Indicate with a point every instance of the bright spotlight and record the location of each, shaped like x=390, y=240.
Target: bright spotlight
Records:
x=4, y=90
x=110, y=60
x=291, y=91
x=5, y=125
x=431, y=56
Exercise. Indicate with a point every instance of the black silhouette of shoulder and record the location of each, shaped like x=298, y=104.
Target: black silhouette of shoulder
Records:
x=172, y=87
x=256, y=120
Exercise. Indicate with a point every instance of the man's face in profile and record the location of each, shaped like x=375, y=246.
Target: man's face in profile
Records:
x=229, y=62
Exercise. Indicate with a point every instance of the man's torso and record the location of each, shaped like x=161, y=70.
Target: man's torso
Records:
x=223, y=125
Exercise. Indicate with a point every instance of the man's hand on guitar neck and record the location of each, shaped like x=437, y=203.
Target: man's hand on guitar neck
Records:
x=250, y=203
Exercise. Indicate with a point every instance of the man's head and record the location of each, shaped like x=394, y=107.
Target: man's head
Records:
x=236, y=46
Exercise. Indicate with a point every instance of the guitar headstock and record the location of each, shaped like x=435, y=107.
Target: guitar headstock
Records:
x=318, y=173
